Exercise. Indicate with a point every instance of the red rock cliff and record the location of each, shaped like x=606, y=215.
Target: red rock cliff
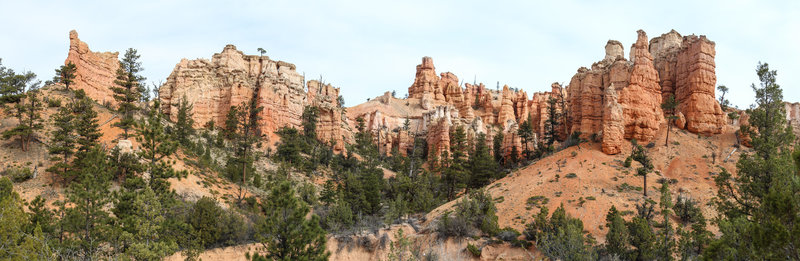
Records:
x=95, y=71
x=232, y=78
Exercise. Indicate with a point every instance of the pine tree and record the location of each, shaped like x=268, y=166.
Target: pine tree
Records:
x=525, y=133
x=760, y=207
x=13, y=85
x=669, y=106
x=156, y=145
x=88, y=220
x=87, y=130
x=551, y=125
x=724, y=103
x=28, y=113
x=17, y=244
x=65, y=74
x=127, y=90
x=285, y=233
x=497, y=147
x=309, y=120
x=666, y=244
x=148, y=241
x=639, y=154
x=617, y=238
x=184, y=124
x=62, y=144
x=481, y=165
x=455, y=174
x=247, y=136
x=642, y=238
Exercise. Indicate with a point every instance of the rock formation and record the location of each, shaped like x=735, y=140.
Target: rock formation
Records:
x=231, y=78
x=95, y=71
x=613, y=119
x=686, y=69
x=641, y=99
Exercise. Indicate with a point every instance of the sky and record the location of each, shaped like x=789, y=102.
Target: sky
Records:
x=369, y=47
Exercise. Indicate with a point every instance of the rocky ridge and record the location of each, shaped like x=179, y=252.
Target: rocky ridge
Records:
x=667, y=65
x=232, y=78
x=95, y=71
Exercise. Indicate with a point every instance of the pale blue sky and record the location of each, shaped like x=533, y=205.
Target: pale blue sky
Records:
x=368, y=47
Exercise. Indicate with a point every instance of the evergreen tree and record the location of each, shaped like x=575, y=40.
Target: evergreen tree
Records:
x=87, y=218
x=62, y=144
x=760, y=207
x=481, y=165
x=497, y=147
x=309, y=120
x=15, y=242
x=40, y=217
x=285, y=233
x=87, y=129
x=28, y=113
x=65, y=75
x=669, y=106
x=455, y=172
x=525, y=133
x=617, y=237
x=561, y=237
x=724, y=103
x=639, y=154
x=148, y=242
x=184, y=124
x=291, y=145
x=551, y=124
x=666, y=244
x=246, y=136
x=156, y=145
x=127, y=90
x=13, y=85
x=642, y=238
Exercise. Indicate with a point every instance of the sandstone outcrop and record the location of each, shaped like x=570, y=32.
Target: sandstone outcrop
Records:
x=613, y=119
x=95, y=71
x=641, y=99
x=667, y=65
x=232, y=78
x=696, y=82
x=685, y=66
x=426, y=83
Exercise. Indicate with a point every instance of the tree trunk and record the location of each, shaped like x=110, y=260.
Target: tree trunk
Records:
x=645, y=185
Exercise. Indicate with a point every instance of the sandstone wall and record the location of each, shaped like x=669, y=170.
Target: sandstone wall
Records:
x=95, y=71
x=231, y=78
x=695, y=85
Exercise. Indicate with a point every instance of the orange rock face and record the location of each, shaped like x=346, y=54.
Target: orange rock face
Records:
x=426, y=83
x=506, y=112
x=641, y=99
x=636, y=88
x=95, y=71
x=231, y=78
x=613, y=127
x=695, y=86
x=686, y=70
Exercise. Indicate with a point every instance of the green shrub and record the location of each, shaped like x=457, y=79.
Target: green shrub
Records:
x=473, y=250
x=537, y=201
x=53, y=103
x=19, y=174
x=628, y=162
x=474, y=212
x=508, y=234
x=686, y=209
x=204, y=219
x=560, y=237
